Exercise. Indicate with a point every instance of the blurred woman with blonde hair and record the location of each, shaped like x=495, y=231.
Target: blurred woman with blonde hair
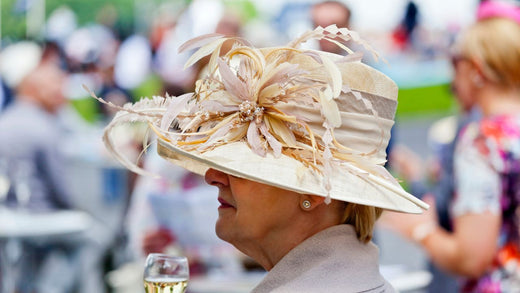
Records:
x=484, y=245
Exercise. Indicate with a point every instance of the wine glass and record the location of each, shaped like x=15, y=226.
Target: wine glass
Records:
x=165, y=273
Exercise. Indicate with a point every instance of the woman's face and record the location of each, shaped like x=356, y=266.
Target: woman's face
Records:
x=463, y=85
x=249, y=210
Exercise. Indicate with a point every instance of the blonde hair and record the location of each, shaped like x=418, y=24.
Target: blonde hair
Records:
x=363, y=218
x=494, y=44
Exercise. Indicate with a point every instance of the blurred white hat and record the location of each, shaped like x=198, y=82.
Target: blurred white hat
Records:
x=87, y=44
x=18, y=60
x=61, y=24
x=133, y=62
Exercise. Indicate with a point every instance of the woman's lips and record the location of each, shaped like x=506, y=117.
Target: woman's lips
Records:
x=224, y=204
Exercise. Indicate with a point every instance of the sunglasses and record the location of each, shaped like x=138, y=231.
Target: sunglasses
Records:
x=455, y=59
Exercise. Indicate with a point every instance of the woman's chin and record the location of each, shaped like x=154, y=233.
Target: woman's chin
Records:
x=222, y=230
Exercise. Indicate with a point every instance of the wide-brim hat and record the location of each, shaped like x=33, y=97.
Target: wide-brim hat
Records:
x=302, y=120
x=18, y=60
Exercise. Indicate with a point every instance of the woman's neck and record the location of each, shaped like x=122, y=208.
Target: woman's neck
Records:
x=494, y=101
x=271, y=248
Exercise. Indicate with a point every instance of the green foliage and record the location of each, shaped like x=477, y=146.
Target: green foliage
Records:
x=87, y=11
x=151, y=86
x=425, y=101
x=87, y=108
x=13, y=16
x=245, y=8
x=13, y=23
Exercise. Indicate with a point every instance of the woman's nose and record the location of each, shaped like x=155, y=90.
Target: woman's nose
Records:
x=216, y=178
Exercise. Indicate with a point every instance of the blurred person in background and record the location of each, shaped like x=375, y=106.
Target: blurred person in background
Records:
x=17, y=59
x=437, y=180
x=53, y=54
x=110, y=90
x=327, y=13
x=33, y=132
x=30, y=135
x=103, y=68
x=483, y=247
x=403, y=35
x=229, y=25
x=414, y=39
x=30, y=142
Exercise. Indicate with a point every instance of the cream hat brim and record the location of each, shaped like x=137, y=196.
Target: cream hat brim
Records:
x=238, y=159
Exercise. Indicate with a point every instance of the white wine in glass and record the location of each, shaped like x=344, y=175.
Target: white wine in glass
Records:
x=165, y=273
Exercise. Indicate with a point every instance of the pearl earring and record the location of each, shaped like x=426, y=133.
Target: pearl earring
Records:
x=306, y=204
x=477, y=80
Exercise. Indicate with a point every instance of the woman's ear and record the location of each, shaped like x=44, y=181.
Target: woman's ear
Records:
x=308, y=202
x=477, y=74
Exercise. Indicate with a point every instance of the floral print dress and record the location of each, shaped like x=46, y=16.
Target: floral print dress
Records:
x=487, y=178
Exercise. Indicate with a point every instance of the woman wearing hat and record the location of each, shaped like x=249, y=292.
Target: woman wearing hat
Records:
x=483, y=247
x=295, y=142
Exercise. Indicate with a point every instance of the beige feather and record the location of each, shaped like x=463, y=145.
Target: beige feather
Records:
x=212, y=64
x=255, y=55
x=334, y=73
x=254, y=140
x=275, y=145
x=329, y=108
x=280, y=130
x=198, y=42
x=270, y=91
x=237, y=133
x=233, y=84
x=203, y=52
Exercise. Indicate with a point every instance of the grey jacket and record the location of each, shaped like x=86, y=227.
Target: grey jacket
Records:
x=29, y=143
x=332, y=260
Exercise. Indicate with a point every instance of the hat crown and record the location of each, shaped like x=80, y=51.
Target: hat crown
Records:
x=366, y=105
x=286, y=99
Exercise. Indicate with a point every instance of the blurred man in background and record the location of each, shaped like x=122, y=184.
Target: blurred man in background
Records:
x=29, y=132
x=30, y=136
x=330, y=12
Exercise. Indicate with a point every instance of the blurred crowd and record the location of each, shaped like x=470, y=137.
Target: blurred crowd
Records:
x=50, y=133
